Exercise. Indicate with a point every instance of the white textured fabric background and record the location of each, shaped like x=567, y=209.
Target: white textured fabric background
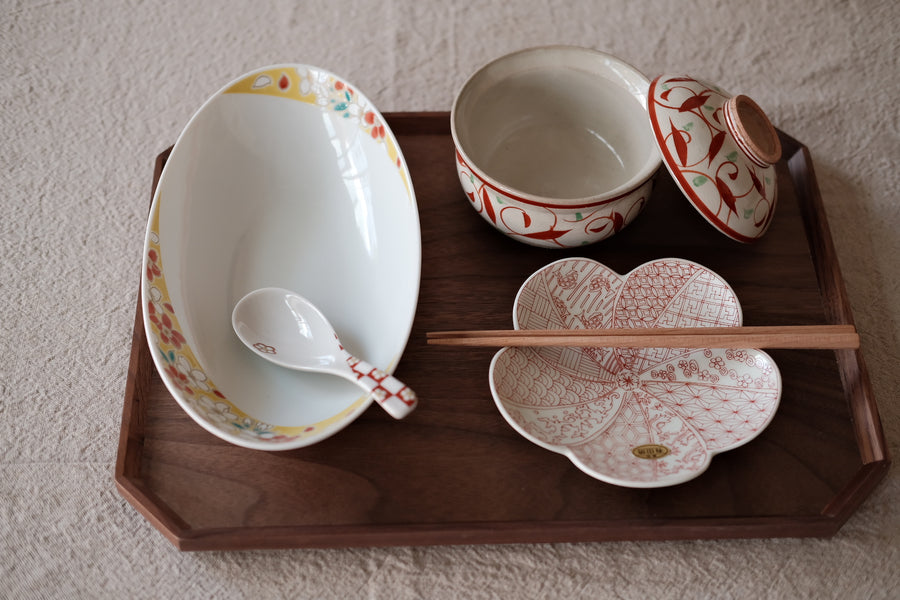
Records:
x=92, y=91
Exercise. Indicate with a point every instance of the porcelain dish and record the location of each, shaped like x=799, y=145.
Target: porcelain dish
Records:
x=286, y=177
x=720, y=149
x=556, y=147
x=553, y=146
x=633, y=417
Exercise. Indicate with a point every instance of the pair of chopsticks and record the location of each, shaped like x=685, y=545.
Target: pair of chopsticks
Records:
x=793, y=336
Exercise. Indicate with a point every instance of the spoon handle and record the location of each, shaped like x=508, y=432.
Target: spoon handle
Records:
x=392, y=394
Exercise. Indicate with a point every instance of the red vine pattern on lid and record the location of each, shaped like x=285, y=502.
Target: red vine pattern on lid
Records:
x=596, y=405
x=728, y=187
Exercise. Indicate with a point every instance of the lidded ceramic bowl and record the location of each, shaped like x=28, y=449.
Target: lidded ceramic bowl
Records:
x=552, y=144
x=557, y=147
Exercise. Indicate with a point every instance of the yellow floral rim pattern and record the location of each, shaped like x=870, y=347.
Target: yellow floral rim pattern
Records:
x=181, y=368
x=323, y=89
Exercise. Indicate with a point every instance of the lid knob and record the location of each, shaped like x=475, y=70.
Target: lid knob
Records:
x=752, y=130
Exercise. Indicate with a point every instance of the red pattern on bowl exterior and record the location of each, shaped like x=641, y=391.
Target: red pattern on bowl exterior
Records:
x=546, y=224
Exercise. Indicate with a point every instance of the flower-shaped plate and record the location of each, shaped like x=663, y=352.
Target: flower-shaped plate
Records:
x=648, y=417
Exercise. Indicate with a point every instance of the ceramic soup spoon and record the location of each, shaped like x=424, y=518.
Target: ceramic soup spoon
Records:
x=290, y=331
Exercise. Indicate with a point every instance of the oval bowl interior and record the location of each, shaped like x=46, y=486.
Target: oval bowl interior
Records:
x=287, y=177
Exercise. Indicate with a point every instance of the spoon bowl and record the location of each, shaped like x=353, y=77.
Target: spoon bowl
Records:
x=288, y=330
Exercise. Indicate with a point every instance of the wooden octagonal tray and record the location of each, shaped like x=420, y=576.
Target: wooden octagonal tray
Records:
x=455, y=473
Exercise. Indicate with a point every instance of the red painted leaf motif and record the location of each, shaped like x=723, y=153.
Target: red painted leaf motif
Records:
x=526, y=219
x=693, y=102
x=665, y=95
x=715, y=145
x=726, y=194
x=757, y=184
x=488, y=207
x=547, y=235
x=680, y=139
x=617, y=221
x=284, y=82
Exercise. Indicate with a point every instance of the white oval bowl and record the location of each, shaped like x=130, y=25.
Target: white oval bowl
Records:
x=286, y=177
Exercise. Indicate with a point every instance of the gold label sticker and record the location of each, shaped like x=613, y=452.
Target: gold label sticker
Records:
x=650, y=451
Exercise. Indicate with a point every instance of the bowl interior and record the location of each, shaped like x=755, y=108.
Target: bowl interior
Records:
x=288, y=178
x=559, y=122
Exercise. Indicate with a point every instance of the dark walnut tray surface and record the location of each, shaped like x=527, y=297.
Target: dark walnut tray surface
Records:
x=454, y=472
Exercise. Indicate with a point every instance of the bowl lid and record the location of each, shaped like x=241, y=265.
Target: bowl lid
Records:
x=720, y=149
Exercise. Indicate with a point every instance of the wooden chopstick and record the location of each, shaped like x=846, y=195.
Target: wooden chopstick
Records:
x=794, y=336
